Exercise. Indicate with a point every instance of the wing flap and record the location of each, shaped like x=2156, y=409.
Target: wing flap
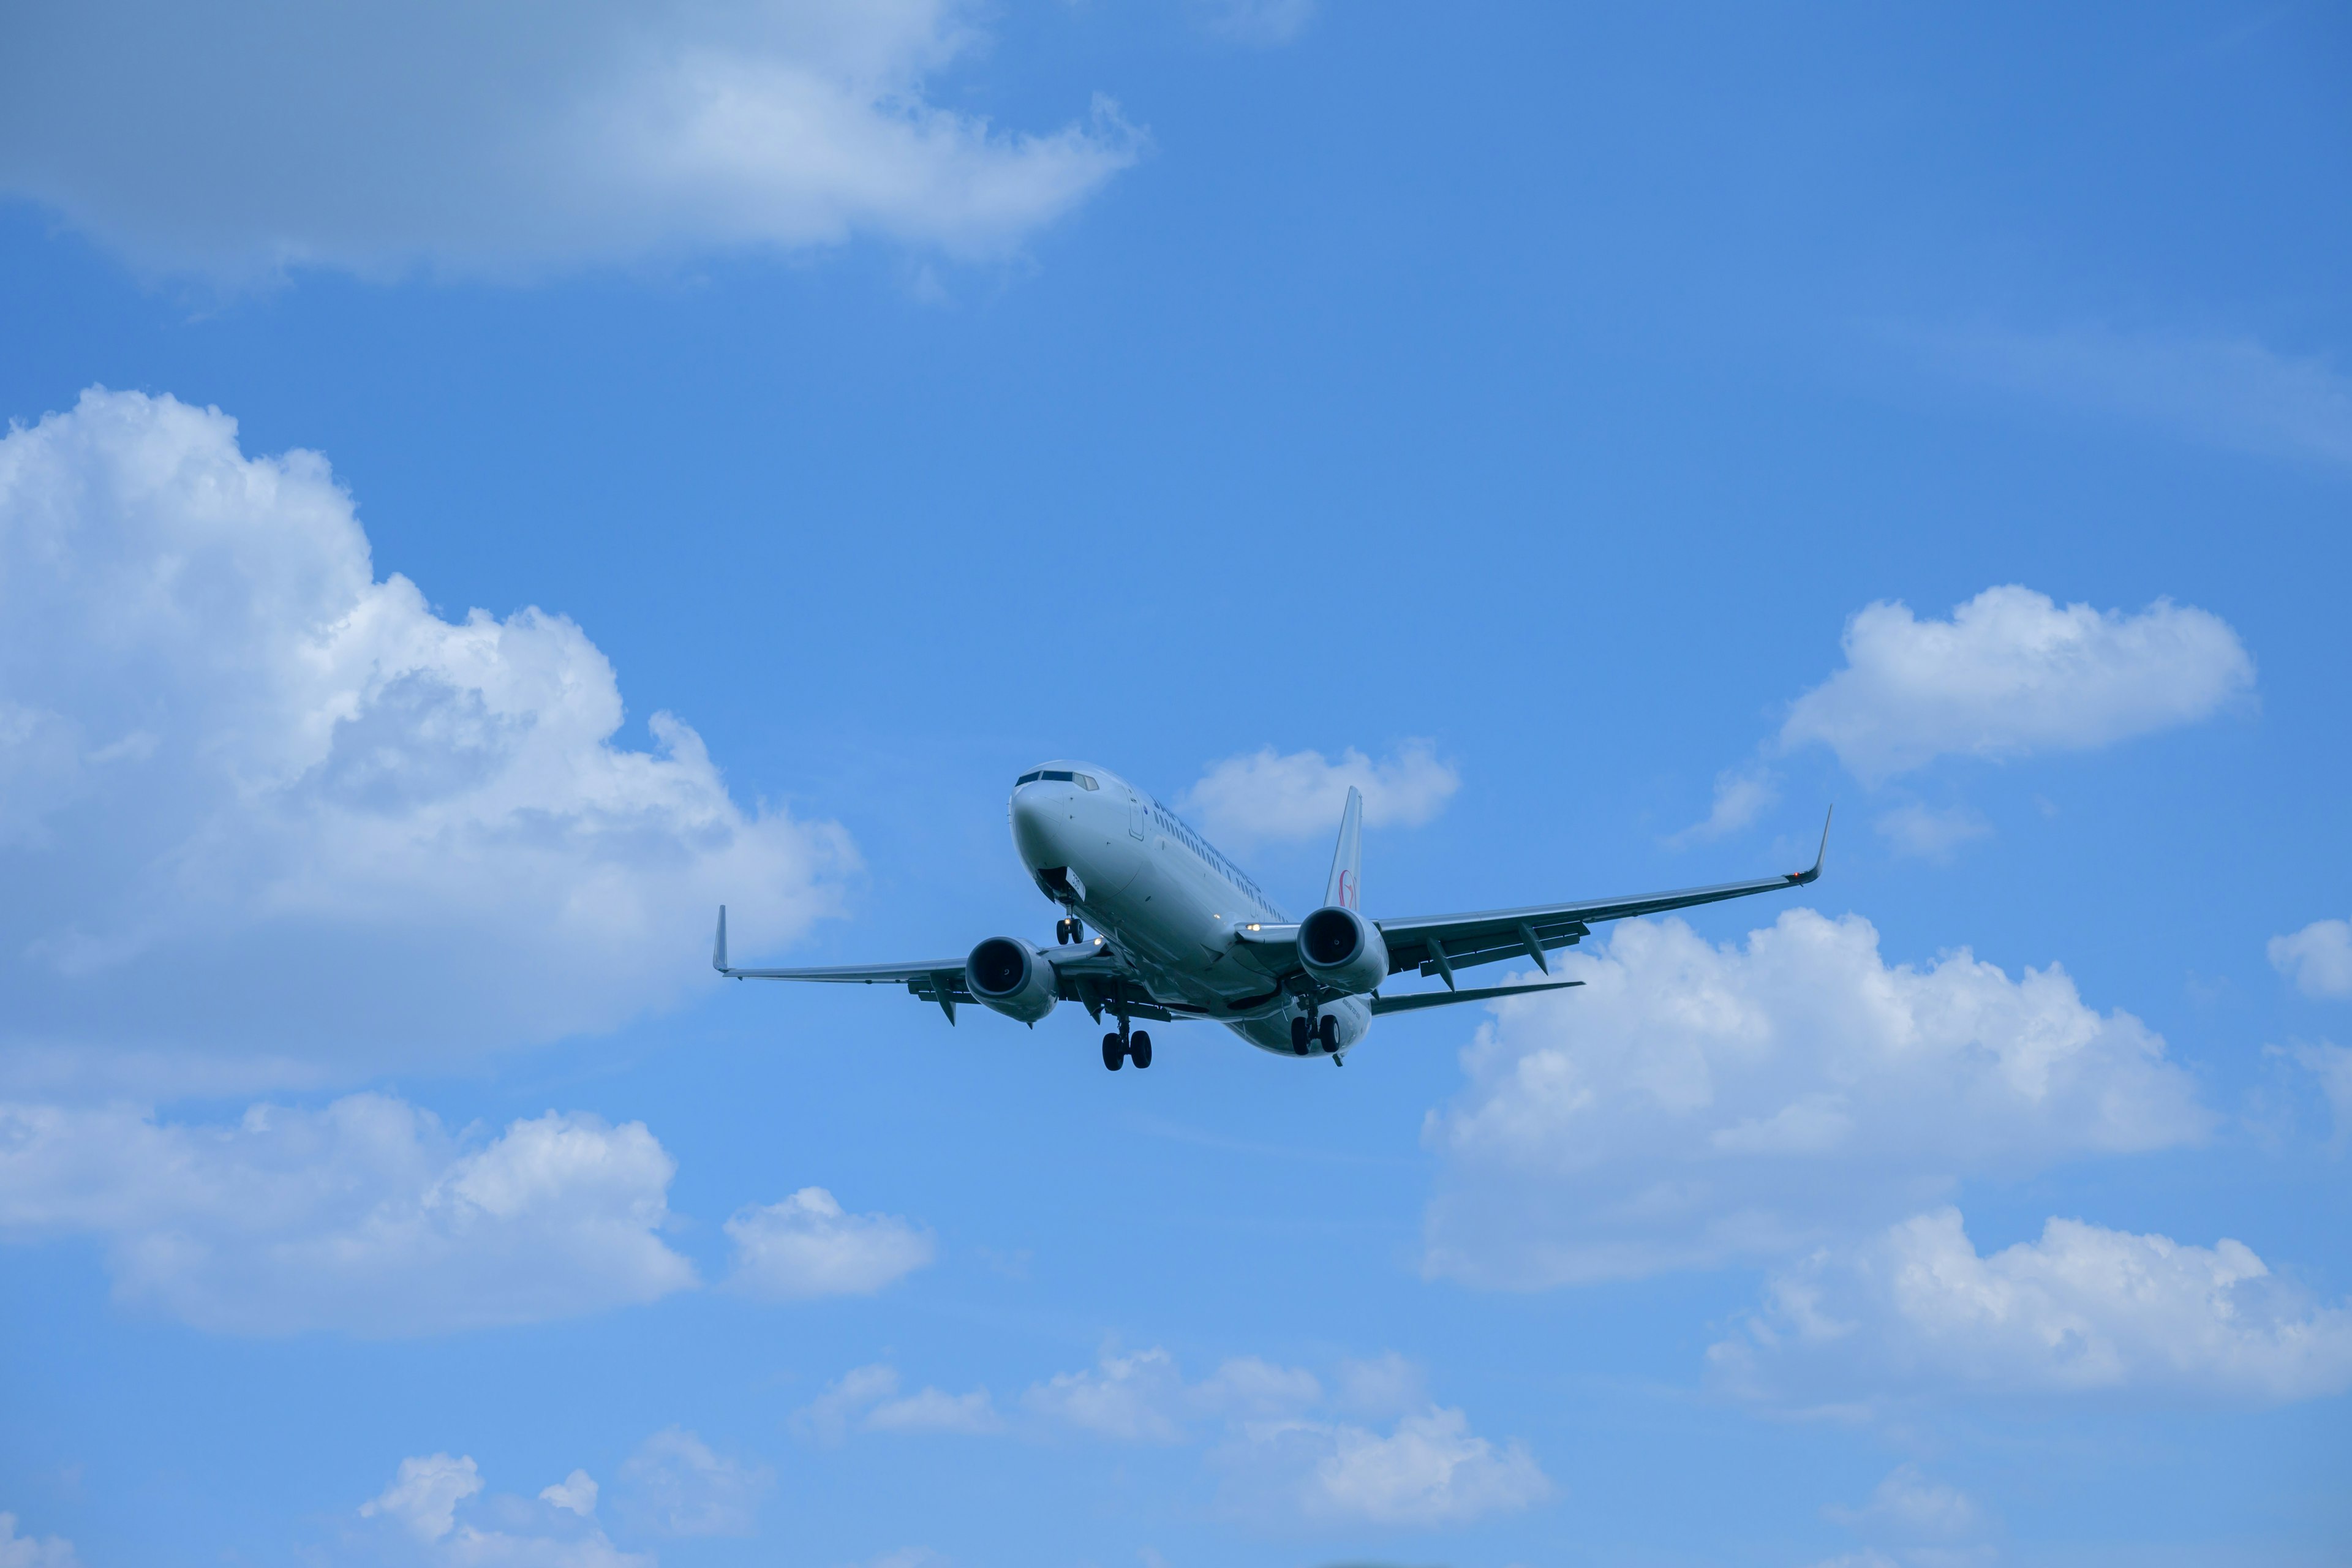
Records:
x=1381, y=1005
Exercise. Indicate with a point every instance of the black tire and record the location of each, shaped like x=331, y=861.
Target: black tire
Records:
x=1331, y=1032
x=1114, y=1053
x=1141, y=1049
x=1299, y=1037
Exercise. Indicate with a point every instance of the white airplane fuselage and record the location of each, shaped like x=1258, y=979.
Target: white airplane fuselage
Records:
x=1165, y=897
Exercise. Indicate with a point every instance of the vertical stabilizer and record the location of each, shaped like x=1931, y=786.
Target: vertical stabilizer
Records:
x=1346, y=887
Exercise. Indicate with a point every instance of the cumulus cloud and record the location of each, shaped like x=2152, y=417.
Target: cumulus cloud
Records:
x=1266, y=794
x=1692, y=1104
x=869, y=1398
x=2081, y=1309
x=1430, y=1469
x=1926, y=834
x=1283, y=1453
x=2231, y=392
x=2013, y=673
x=367, y=1217
x=424, y=1496
x=2319, y=958
x=806, y=1246
x=575, y=1493
x=675, y=1483
x=1137, y=1398
x=507, y=141
x=269, y=818
x=430, y=1494
x=34, y=1551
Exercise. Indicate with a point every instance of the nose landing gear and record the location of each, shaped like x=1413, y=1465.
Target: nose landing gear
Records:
x=1072, y=929
x=1119, y=1048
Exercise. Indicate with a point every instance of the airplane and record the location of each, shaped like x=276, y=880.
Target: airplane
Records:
x=1186, y=934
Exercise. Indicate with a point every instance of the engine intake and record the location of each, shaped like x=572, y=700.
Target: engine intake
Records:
x=1013, y=978
x=1343, y=950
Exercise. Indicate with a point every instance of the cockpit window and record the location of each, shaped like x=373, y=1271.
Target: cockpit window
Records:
x=1027, y=778
x=1054, y=776
x=1087, y=781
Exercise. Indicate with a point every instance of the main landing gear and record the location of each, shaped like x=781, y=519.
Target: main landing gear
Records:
x=1119, y=1046
x=1305, y=1034
x=1070, y=930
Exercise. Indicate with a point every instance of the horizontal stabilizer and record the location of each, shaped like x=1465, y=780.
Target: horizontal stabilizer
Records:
x=1447, y=998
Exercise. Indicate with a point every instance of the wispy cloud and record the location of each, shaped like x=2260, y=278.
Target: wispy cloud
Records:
x=1741, y=796
x=2227, y=390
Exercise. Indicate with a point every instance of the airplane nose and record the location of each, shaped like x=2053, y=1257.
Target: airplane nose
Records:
x=1035, y=816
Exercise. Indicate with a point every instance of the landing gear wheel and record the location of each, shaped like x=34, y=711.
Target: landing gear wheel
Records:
x=1141, y=1049
x=1329, y=1030
x=1114, y=1053
x=1062, y=932
x=1299, y=1037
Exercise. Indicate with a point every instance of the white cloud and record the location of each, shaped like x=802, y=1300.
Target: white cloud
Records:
x=34, y=1551
x=2013, y=673
x=575, y=1493
x=507, y=141
x=934, y=1410
x=279, y=821
x=1428, y=1470
x=1928, y=833
x=429, y=1494
x=806, y=1246
x=1137, y=1398
x=1692, y=1104
x=828, y=1416
x=676, y=1484
x=425, y=1493
x=1907, y=1506
x=2083, y=1309
x=2319, y=958
x=366, y=1216
x=869, y=1398
x=1266, y=794
x=1741, y=796
x=2231, y=392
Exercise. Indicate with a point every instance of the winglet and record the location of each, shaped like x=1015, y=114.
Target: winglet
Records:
x=1819, y=855
x=718, y=948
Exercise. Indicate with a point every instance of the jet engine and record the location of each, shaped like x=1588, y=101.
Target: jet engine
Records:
x=1342, y=949
x=1012, y=977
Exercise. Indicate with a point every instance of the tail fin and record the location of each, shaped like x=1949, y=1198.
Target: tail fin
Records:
x=1346, y=887
x=718, y=948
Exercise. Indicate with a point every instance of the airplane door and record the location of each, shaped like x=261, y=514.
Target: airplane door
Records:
x=1135, y=819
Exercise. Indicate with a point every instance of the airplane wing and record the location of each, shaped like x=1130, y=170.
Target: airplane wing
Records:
x=1090, y=974
x=1439, y=944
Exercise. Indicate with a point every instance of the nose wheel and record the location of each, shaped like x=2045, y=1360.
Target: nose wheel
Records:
x=1119, y=1049
x=1072, y=929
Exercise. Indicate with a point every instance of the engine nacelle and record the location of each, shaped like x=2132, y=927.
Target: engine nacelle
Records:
x=1009, y=975
x=1342, y=949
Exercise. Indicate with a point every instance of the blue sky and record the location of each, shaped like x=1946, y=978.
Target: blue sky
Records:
x=483, y=488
